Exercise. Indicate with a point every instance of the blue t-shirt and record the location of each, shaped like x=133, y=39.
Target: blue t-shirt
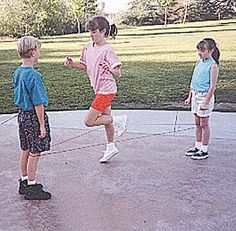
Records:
x=201, y=78
x=29, y=90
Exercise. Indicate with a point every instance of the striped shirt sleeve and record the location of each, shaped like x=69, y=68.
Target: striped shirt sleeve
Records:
x=113, y=59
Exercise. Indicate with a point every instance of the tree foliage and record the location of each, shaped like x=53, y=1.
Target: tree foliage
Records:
x=142, y=12
x=43, y=17
x=54, y=17
x=174, y=11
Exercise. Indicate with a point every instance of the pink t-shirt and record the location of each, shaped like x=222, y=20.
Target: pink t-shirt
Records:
x=102, y=81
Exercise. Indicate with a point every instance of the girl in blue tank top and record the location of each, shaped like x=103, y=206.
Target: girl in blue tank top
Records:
x=201, y=95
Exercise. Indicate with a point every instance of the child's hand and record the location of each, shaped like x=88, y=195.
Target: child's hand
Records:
x=188, y=100
x=204, y=106
x=69, y=62
x=105, y=66
x=42, y=132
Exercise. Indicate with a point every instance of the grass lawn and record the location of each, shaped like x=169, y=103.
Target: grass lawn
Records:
x=157, y=67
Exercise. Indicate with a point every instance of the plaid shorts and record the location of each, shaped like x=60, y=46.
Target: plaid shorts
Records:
x=29, y=131
x=197, y=99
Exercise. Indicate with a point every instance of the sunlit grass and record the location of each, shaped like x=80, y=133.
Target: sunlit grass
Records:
x=157, y=66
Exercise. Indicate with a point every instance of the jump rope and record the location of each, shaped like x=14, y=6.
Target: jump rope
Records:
x=175, y=130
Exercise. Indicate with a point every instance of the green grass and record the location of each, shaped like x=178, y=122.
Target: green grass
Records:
x=157, y=67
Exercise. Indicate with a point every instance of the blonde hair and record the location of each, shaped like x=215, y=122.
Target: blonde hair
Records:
x=26, y=45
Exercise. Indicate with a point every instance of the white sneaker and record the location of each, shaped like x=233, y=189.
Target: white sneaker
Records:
x=108, y=154
x=122, y=124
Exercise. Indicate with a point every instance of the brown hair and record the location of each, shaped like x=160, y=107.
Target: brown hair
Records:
x=210, y=44
x=26, y=45
x=99, y=23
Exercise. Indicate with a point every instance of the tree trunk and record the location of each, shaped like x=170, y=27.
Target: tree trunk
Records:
x=185, y=13
x=165, y=16
x=78, y=25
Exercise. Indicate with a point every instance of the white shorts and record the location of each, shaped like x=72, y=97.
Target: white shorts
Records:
x=197, y=99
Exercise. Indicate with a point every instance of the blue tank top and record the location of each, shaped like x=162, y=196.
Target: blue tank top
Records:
x=201, y=78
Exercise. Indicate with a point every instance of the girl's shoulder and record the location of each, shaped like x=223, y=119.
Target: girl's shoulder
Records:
x=198, y=62
x=212, y=61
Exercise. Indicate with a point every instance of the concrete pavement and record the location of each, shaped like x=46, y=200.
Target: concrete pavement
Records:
x=149, y=185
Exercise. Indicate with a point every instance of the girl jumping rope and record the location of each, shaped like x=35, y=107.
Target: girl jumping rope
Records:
x=102, y=65
x=201, y=95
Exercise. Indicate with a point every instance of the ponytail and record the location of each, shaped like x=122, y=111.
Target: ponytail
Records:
x=211, y=45
x=216, y=55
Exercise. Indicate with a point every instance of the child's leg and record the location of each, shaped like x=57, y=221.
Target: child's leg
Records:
x=109, y=128
x=34, y=191
x=198, y=129
x=198, y=139
x=96, y=118
x=205, y=130
x=24, y=163
x=203, y=153
x=32, y=166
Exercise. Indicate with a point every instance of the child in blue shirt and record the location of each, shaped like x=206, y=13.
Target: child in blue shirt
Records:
x=31, y=98
x=201, y=95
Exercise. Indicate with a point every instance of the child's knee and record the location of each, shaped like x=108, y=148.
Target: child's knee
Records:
x=88, y=123
x=204, y=126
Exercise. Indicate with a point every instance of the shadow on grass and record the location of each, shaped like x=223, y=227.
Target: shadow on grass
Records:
x=11, y=55
x=174, y=32
x=184, y=26
x=144, y=85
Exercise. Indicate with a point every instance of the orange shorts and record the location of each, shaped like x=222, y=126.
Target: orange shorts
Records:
x=101, y=102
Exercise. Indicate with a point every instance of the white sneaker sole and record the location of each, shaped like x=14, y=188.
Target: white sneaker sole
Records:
x=105, y=159
x=199, y=158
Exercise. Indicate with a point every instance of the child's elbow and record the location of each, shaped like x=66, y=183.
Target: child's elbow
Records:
x=118, y=75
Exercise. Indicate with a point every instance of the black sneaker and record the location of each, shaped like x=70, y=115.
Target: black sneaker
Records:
x=199, y=155
x=33, y=192
x=23, y=185
x=191, y=151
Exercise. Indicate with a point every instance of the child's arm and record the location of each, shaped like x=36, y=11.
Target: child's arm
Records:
x=214, y=77
x=116, y=72
x=69, y=63
x=40, y=114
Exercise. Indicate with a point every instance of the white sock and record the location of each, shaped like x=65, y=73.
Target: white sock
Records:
x=31, y=182
x=204, y=148
x=110, y=145
x=198, y=145
x=24, y=178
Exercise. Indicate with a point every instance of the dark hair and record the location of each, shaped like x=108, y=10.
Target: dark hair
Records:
x=99, y=23
x=211, y=45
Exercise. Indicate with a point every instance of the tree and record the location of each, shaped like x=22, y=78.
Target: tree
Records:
x=181, y=9
x=83, y=10
x=141, y=12
x=10, y=17
x=165, y=4
x=224, y=8
x=201, y=10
